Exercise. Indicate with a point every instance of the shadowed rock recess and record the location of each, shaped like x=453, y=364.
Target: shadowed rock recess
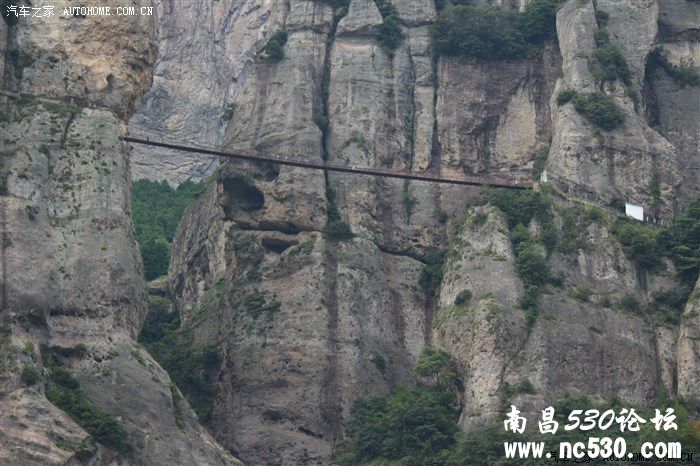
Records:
x=291, y=293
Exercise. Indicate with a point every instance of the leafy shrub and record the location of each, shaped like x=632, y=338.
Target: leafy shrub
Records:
x=540, y=162
x=682, y=243
x=390, y=35
x=531, y=264
x=580, y=293
x=519, y=207
x=640, y=243
x=434, y=364
x=336, y=228
x=629, y=303
x=64, y=391
x=684, y=73
x=30, y=376
x=274, y=49
x=491, y=33
x=463, y=298
x=157, y=210
x=484, y=446
x=667, y=305
x=602, y=37
x=256, y=305
x=228, y=112
x=538, y=21
x=480, y=32
x=409, y=201
x=189, y=364
x=412, y=424
x=602, y=18
x=611, y=64
x=432, y=272
x=599, y=109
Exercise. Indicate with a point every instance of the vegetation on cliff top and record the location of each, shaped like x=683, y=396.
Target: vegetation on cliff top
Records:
x=492, y=33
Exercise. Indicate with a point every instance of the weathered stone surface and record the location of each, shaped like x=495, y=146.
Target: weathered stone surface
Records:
x=347, y=308
x=294, y=365
x=72, y=277
x=492, y=118
x=674, y=106
x=95, y=60
x=485, y=334
x=204, y=52
x=603, y=167
x=688, y=355
x=275, y=112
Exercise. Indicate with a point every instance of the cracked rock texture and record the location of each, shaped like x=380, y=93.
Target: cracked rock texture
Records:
x=73, y=279
x=312, y=285
x=204, y=52
x=347, y=319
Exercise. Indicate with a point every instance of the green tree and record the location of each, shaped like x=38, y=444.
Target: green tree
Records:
x=538, y=22
x=157, y=210
x=481, y=32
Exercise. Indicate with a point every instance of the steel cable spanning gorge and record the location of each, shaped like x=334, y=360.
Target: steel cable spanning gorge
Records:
x=465, y=180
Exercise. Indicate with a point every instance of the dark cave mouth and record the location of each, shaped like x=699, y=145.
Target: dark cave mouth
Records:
x=242, y=195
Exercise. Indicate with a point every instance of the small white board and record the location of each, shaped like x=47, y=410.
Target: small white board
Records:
x=635, y=211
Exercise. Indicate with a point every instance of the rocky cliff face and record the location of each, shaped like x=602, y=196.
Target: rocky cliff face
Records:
x=204, y=52
x=307, y=316
x=72, y=280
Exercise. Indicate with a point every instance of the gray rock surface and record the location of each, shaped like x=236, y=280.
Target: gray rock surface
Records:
x=347, y=319
x=72, y=276
x=204, y=52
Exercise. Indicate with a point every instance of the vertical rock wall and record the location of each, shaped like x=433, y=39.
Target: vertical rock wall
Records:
x=73, y=281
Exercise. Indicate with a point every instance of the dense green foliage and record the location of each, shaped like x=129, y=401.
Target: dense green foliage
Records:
x=611, y=64
x=433, y=365
x=684, y=73
x=682, y=242
x=480, y=32
x=64, y=391
x=390, y=35
x=432, y=272
x=190, y=365
x=417, y=425
x=157, y=211
x=336, y=228
x=599, y=109
x=30, y=376
x=485, y=446
x=274, y=49
x=463, y=298
x=413, y=424
x=639, y=242
x=596, y=107
x=538, y=21
x=491, y=33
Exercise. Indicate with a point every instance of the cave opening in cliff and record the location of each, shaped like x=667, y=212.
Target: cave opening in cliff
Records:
x=242, y=195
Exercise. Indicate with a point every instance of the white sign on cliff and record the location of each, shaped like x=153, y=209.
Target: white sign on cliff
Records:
x=634, y=211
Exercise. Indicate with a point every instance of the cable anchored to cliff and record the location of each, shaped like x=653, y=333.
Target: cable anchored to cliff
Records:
x=464, y=181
